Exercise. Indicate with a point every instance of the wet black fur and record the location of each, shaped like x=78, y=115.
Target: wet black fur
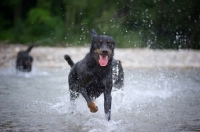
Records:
x=24, y=60
x=89, y=78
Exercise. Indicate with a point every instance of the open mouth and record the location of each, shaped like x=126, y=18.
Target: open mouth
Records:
x=103, y=60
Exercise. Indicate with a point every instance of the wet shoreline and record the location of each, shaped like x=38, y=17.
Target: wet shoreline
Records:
x=134, y=58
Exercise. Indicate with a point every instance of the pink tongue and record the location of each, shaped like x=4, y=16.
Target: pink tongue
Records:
x=103, y=60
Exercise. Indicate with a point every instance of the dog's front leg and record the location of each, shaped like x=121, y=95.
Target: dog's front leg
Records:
x=90, y=102
x=107, y=103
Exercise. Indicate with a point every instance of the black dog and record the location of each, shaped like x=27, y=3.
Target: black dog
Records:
x=24, y=60
x=92, y=76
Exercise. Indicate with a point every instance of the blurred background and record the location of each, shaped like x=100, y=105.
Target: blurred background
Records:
x=156, y=24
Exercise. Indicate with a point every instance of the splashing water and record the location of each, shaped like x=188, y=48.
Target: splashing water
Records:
x=152, y=100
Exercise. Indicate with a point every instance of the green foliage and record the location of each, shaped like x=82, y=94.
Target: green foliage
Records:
x=164, y=24
x=40, y=21
x=42, y=26
x=132, y=23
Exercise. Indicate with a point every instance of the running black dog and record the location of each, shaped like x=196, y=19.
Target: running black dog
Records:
x=92, y=76
x=24, y=60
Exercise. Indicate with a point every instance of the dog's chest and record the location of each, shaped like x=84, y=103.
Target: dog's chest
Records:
x=96, y=82
x=95, y=87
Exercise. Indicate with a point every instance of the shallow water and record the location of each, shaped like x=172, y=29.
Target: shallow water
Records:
x=152, y=100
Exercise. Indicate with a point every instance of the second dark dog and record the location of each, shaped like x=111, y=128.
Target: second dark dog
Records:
x=24, y=60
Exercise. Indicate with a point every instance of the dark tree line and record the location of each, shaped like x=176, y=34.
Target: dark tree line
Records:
x=133, y=23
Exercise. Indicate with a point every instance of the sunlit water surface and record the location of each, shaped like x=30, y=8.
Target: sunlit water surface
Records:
x=152, y=100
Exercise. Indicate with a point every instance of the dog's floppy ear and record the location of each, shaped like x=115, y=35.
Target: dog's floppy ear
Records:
x=94, y=33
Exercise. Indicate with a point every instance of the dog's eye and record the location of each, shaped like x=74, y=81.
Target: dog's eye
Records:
x=100, y=41
x=108, y=42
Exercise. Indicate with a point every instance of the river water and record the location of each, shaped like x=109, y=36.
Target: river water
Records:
x=152, y=100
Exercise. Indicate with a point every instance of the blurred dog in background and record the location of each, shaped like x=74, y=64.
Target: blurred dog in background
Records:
x=24, y=60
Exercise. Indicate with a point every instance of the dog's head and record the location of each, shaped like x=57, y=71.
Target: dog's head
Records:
x=102, y=48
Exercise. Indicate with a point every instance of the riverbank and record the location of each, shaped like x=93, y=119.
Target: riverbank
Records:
x=136, y=58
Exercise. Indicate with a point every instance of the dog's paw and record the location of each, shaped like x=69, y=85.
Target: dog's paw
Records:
x=93, y=107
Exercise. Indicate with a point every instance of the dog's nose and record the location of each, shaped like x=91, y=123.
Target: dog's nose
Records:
x=105, y=51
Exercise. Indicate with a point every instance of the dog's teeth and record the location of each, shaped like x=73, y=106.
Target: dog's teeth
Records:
x=106, y=57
